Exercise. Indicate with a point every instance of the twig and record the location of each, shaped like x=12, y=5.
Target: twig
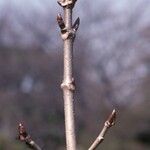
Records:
x=23, y=136
x=109, y=123
x=68, y=33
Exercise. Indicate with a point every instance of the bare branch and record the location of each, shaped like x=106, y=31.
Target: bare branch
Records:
x=109, y=122
x=68, y=32
x=25, y=137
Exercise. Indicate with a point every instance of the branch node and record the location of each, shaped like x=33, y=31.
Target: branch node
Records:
x=68, y=34
x=65, y=33
x=68, y=85
x=100, y=138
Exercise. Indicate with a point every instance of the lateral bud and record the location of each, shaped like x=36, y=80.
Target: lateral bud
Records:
x=61, y=23
x=76, y=24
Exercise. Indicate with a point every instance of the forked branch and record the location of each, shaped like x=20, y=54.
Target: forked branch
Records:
x=23, y=136
x=109, y=123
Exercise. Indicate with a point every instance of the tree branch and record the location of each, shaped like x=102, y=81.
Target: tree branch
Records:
x=68, y=32
x=23, y=136
x=109, y=123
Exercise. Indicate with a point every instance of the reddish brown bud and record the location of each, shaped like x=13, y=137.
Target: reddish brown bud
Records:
x=60, y=21
x=22, y=132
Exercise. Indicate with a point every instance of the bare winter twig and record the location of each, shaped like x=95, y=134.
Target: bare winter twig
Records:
x=25, y=137
x=68, y=32
x=109, y=122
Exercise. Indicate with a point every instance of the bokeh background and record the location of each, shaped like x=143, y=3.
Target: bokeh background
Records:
x=111, y=69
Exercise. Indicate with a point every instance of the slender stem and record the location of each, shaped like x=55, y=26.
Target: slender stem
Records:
x=68, y=93
x=26, y=138
x=69, y=120
x=108, y=123
x=68, y=47
x=68, y=32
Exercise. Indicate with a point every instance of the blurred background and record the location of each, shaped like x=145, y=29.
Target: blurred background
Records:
x=111, y=69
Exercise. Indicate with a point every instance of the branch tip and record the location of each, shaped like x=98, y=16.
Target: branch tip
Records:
x=108, y=123
x=112, y=118
x=23, y=136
